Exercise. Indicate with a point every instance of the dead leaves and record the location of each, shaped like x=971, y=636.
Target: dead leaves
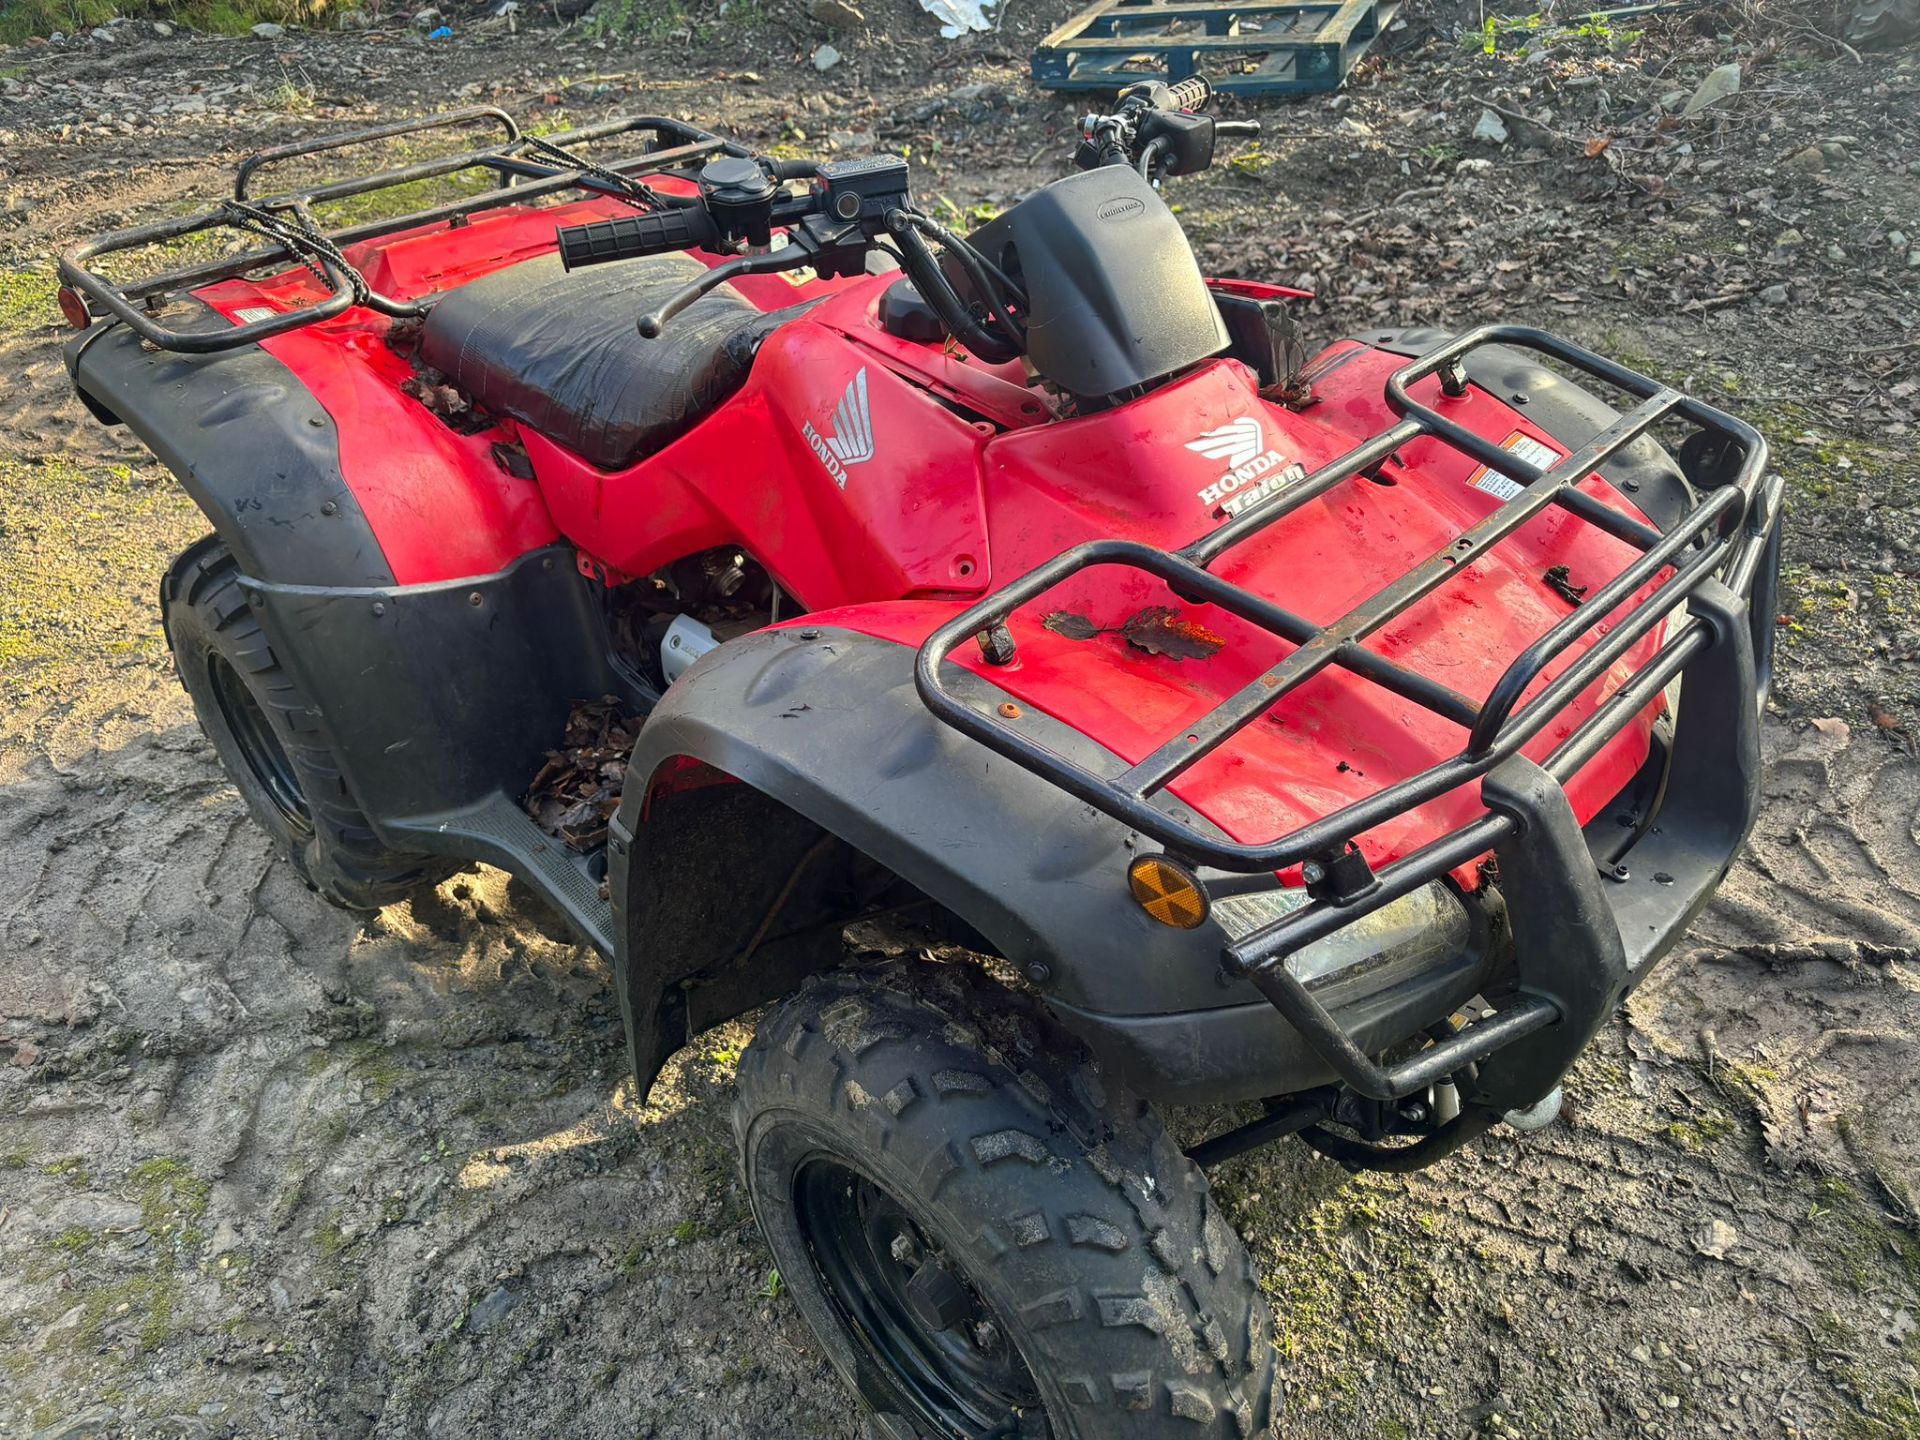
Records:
x=578, y=790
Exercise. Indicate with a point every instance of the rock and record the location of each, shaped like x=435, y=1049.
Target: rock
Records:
x=1913, y=258
x=94, y=1420
x=1673, y=100
x=491, y=1311
x=1718, y=85
x=427, y=19
x=1790, y=239
x=162, y=30
x=1810, y=159
x=354, y=20
x=837, y=13
x=746, y=77
x=1715, y=1239
x=267, y=30
x=1836, y=252
x=825, y=58
x=1774, y=295
x=1897, y=241
x=1474, y=166
x=1490, y=129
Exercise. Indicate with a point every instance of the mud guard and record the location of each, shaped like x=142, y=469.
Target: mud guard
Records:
x=250, y=444
x=828, y=738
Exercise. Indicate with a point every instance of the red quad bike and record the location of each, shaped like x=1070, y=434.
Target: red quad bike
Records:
x=1346, y=736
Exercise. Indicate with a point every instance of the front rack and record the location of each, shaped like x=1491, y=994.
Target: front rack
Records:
x=526, y=167
x=1720, y=542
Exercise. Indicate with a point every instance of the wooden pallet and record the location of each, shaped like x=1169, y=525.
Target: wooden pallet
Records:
x=1261, y=47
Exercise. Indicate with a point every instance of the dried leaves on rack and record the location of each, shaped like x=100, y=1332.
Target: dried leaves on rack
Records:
x=578, y=789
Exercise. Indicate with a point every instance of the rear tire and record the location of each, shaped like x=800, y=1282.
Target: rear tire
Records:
x=270, y=740
x=921, y=1115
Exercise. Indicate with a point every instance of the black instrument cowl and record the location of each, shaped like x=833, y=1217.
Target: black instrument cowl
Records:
x=1115, y=298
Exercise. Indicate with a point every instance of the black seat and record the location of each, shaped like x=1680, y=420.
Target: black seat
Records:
x=558, y=351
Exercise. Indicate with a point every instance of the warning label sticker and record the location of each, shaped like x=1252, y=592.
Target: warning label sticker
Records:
x=1504, y=487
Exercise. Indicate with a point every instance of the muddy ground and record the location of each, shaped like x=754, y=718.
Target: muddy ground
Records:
x=267, y=1168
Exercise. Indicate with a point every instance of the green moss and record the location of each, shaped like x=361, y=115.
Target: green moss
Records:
x=75, y=1240
x=1332, y=1315
x=330, y=1239
x=171, y=1196
x=70, y=1168
x=1694, y=1136
x=148, y=1301
x=373, y=1065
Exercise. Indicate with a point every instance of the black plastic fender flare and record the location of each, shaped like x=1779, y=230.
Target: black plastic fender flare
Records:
x=826, y=723
x=250, y=444
x=828, y=737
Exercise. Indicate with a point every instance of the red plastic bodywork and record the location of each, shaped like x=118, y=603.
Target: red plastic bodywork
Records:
x=974, y=480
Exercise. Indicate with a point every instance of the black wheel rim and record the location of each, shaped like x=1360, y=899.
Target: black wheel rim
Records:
x=963, y=1375
x=259, y=746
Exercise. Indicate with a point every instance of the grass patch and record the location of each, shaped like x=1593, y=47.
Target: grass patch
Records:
x=29, y=300
x=20, y=19
x=59, y=522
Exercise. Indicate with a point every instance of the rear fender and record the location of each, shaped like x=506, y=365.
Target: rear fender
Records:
x=253, y=448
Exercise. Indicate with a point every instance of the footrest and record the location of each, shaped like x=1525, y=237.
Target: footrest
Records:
x=500, y=833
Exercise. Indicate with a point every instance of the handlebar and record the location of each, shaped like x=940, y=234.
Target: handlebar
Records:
x=844, y=208
x=628, y=237
x=1188, y=94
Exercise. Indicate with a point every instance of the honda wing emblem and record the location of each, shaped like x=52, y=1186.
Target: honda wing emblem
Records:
x=849, y=439
x=1233, y=444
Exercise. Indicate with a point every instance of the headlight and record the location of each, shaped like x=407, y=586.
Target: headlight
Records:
x=1376, y=950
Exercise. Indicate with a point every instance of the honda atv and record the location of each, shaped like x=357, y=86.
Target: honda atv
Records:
x=1341, y=736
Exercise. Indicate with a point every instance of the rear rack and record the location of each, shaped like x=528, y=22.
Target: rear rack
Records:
x=1719, y=543
x=513, y=159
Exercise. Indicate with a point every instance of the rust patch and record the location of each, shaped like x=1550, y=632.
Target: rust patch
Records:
x=1560, y=580
x=1160, y=630
x=1071, y=626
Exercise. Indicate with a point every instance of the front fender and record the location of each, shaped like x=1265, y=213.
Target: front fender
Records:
x=825, y=731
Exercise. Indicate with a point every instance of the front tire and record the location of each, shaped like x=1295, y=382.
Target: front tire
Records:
x=270, y=741
x=987, y=1236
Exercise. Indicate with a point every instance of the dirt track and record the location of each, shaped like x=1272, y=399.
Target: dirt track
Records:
x=269, y=1169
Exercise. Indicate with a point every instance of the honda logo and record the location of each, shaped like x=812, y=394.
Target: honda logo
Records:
x=849, y=439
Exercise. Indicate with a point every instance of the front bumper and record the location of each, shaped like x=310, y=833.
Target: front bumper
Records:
x=1583, y=934
x=1580, y=938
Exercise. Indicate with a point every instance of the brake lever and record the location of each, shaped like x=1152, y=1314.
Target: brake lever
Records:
x=790, y=257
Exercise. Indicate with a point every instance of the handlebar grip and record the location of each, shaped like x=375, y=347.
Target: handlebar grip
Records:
x=627, y=237
x=1190, y=93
